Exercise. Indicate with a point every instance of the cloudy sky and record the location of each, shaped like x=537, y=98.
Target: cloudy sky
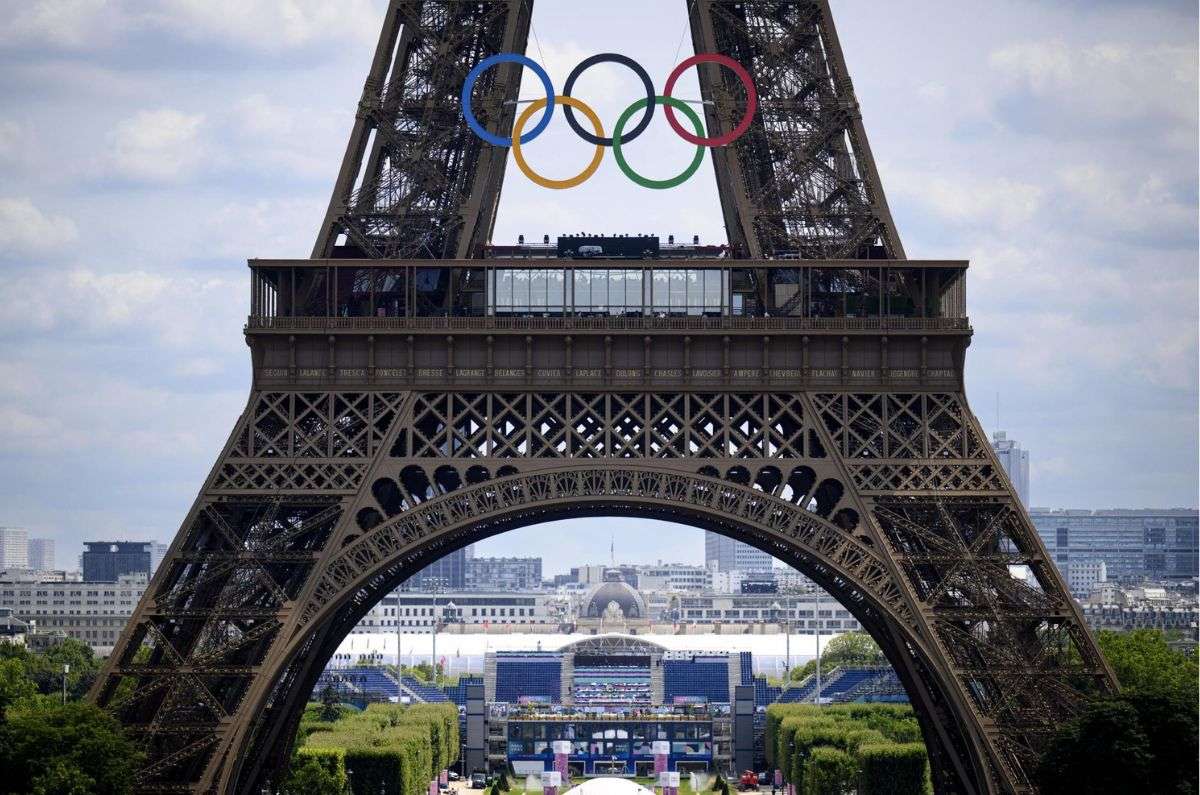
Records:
x=148, y=147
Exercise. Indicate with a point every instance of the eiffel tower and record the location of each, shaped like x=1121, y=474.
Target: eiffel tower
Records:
x=411, y=394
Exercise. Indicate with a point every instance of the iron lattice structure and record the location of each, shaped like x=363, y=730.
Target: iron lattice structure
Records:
x=400, y=410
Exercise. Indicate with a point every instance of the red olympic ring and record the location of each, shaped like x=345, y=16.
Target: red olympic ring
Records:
x=742, y=75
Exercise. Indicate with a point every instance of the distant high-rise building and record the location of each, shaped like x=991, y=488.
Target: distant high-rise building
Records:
x=1015, y=462
x=504, y=574
x=447, y=573
x=14, y=548
x=731, y=555
x=1134, y=545
x=106, y=561
x=41, y=554
x=157, y=550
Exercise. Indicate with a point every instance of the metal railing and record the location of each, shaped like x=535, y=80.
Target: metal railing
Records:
x=638, y=323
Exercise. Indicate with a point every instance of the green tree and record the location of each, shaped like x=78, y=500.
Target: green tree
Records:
x=329, y=704
x=63, y=778
x=1102, y=751
x=15, y=684
x=50, y=745
x=45, y=669
x=1145, y=663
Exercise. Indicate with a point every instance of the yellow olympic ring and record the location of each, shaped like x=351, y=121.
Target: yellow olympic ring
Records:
x=557, y=184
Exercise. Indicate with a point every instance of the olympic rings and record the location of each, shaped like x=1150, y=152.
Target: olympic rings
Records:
x=557, y=184
x=751, y=99
x=619, y=138
x=487, y=63
x=657, y=184
x=624, y=60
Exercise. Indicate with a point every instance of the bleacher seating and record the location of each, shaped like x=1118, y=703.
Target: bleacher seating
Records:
x=848, y=683
x=374, y=684
x=764, y=693
x=535, y=676
x=797, y=693
x=699, y=677
x=611, y=685
x=882, y=685
x=458, y=691
x=842, y=680
x=427, y=693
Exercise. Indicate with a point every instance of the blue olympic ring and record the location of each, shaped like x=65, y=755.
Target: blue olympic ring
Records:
x=469, y=83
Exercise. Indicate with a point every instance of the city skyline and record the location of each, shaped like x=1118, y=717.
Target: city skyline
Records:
x=189, y=161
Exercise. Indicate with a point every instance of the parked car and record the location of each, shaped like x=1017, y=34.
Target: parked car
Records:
x=478, y=780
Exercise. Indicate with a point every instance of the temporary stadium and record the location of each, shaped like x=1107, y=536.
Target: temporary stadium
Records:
x=611, y=697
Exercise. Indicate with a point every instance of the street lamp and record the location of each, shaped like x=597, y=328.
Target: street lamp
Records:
x=817, y=620
x=66, y=670
x=787, y=662
x=450, y=606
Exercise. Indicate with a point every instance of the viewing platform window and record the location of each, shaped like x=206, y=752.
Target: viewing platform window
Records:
x=315, y=289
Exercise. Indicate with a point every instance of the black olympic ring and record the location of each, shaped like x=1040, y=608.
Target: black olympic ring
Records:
x=624, y=60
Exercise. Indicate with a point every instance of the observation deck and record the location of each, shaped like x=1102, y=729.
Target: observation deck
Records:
x=706, y=321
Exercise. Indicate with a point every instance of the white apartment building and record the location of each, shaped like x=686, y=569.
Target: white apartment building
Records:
x=93, y=612
x=672, y=577
x=1084, y=576
x=471, y=608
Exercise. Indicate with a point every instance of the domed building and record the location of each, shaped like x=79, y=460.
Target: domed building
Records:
x=612, y=603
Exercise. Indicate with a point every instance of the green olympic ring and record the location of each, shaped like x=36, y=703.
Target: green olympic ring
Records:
x=645, y=182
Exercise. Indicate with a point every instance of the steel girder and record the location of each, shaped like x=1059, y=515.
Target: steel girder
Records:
x=802, y=181
x=415, y=182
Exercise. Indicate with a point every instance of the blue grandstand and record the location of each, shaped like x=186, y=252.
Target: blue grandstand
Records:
x=698, y=679
x=529, y=677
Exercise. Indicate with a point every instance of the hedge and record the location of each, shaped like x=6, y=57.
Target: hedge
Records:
x=837, y=734
x=829, y=771
x=891, y=769
x=391, y=748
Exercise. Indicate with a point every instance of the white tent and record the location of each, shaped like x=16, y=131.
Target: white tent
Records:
x=610, y=786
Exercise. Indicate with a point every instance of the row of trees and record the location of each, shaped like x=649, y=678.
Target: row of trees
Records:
x=1143, y=740
x=51, y=745
x=871, y=749
x=387, y=749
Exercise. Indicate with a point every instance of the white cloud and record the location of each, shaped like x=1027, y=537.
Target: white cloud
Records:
x=1128, y=202
x=1105, y=82
x=26, y=230
x=157, y=146
x=70, y=24
x=969, y=199
x=181, y=311
x=269, y=25
x=266, y=26
x=12, y=135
